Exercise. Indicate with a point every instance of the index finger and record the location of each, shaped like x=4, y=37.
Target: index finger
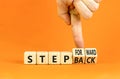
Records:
x=76, y=29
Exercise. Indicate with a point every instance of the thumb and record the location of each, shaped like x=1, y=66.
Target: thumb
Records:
x=76, y=28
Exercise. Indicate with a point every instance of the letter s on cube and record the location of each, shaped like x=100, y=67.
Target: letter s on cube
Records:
x=30, y=57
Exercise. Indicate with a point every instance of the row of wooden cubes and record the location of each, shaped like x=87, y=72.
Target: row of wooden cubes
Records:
x=77, y=56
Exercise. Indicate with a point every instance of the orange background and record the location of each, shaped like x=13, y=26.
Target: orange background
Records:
x=34, y=25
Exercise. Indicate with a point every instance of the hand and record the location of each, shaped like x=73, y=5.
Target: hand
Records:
x=70, y=11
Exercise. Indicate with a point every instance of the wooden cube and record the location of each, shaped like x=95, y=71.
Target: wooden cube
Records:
x=66, y=57
x=54, y=57
x=30, y=57
x=78, y=55
x=42, y=57
x=91, y=55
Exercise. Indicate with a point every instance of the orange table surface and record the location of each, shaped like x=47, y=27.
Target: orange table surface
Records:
x=33, y=25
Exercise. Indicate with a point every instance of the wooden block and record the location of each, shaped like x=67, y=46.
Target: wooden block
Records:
x=91, y=55
x=30, y=57
x=42, y=57
x=78, y=55
x=54, y=57
x=66, y=57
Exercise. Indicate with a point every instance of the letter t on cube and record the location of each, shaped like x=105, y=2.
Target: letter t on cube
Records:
x=42, y=57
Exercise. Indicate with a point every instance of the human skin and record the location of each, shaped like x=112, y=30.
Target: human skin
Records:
x=70, y=11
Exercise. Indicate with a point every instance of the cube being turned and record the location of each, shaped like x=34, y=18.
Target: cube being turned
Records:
x=78, y=55
x=30, y=57
x=91, y=55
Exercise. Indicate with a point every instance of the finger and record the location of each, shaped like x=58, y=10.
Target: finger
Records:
x=77, y=29
x=68, y=2
x=91, y=4
x=98, y=1
x=82, y=9
x=63, y=11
